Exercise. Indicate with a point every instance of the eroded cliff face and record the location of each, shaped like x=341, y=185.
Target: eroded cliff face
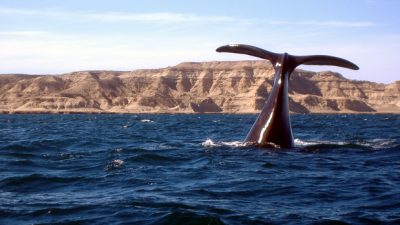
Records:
x=210, y=87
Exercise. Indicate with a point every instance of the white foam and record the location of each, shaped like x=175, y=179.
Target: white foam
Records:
x=147, y=121
x=211, y=143
x=117, y=163
x=301, y=143
x=377, y=143
x=234, y=143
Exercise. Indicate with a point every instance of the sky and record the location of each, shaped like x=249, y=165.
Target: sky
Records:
x=54, y=36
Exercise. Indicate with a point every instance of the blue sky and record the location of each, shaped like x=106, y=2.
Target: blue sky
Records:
x=53, y=36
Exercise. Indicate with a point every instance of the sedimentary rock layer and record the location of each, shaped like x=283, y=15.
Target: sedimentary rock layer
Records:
x=209, y=87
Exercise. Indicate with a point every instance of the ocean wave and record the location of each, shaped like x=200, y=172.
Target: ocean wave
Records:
x=38, y=182
x=146, y=121
x=374, y=144
x=379, y=143
x=17, y=147
x=303, y=143
x=188, y=217
x=155, y=159
x=115, y=164
x=371, y=144
x=74, y=169
x=210, y=143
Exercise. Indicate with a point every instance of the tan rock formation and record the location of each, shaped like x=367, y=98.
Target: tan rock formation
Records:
x=215, y=87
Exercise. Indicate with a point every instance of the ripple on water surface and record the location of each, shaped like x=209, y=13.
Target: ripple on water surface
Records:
x=182, y=169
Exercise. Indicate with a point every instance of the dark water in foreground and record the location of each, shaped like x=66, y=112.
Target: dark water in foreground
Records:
x=192, y=169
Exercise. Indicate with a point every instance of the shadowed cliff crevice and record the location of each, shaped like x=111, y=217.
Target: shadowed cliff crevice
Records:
x=206, y=106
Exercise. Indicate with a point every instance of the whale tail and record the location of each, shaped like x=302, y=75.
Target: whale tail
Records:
x=273, y=123
x=295, y=60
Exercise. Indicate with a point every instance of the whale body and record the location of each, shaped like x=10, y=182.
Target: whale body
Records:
x=272, y=128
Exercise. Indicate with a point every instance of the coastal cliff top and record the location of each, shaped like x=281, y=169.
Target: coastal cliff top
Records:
x=192, y=87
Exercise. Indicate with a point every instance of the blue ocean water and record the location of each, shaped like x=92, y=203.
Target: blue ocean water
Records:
x=193, y=169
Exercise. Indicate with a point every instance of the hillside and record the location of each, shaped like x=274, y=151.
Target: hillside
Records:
x=215, y=87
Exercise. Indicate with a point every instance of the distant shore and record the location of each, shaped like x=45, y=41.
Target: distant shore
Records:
x=233, y=87
x=184, y=113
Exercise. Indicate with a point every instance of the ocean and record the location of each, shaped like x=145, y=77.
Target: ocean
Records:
x=194, y=169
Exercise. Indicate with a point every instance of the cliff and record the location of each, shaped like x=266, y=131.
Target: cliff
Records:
x=227, y=87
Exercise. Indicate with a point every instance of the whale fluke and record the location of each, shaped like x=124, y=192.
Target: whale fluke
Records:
x=325, y=60
x=298, y=60
x=250, y=50
x=272, y=127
